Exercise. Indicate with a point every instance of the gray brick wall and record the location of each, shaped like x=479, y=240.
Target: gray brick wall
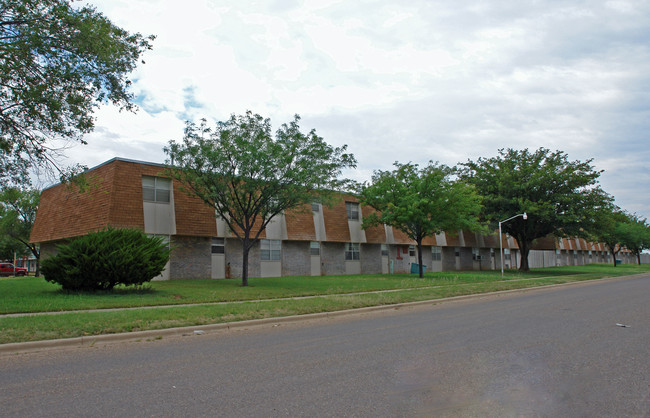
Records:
x=234, y=257
x=448, y=258
x=296, y=260
x=190, y=258
x=486, y=259
x=370, y=255
x=49, y=249
x=332, y=258
x=427, y=258
x=466, y=259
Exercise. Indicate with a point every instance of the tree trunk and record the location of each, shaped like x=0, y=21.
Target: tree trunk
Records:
x=244, y=271
x=523, y=248
x=613, y=255
x=37, y=255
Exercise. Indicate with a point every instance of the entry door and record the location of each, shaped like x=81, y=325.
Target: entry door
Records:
x=314, y=250
x=384, y=259
x=218, y=258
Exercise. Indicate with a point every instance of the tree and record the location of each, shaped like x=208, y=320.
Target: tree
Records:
x=10, y=248
x=559, y=196
x=420, y=202
x=57, y=64
x=635, y=235
x=249, y=177
x=608, y=228
x=17, y=214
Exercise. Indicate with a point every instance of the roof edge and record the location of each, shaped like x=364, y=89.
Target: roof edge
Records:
x=112, y=160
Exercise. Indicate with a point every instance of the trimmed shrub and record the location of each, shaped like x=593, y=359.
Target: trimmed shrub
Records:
x=101, y=260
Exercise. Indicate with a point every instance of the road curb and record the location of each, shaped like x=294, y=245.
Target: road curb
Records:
x=93, y=340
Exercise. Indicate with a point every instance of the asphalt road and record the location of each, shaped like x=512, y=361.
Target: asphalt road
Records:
x=554, y=352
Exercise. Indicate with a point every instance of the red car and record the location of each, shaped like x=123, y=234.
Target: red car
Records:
x=8, y=269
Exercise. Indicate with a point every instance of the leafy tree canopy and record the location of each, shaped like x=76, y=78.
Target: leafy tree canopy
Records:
x=559, y=196
x=609, y=221
x=10, y=248
x=250, y=176
x=421, y=202
x=635, y=235
x=57, y=64
x=17, y=214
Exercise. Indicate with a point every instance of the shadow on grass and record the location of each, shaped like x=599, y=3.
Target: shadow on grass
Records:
x=144, y=289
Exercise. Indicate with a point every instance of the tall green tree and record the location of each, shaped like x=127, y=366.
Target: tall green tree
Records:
x=17, y=214
x=635, y=235
x=10, y=248
x=608, y=228
x=421, y=202
x=249, y=176
x=58, y=62
x=558, y=195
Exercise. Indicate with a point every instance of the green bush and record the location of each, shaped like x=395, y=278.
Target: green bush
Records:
x=101, y=260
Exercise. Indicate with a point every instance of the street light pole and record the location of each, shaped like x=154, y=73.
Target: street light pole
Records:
x=523, y=215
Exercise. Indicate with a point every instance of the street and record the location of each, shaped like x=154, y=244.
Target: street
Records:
x=567, y=351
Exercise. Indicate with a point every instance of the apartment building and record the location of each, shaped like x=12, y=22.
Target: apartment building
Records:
x=314, y=240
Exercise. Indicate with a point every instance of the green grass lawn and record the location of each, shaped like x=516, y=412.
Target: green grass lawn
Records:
x=262, y=299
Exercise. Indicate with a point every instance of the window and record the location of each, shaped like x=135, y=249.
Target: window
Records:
x=384, y=250
x=218, y=246
x=436, y=253
x=506, y=253
x=351, y=251
x=314, y=248
x=457, y=251
x=315, y=207
x=476, y=254
x=411, y=250
x=156, y=189
x=270, y=249
x=353, y=210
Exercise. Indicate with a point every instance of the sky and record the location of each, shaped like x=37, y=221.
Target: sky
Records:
x=418, y=81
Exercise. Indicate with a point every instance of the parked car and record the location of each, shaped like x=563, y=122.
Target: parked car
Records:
x=8, y=269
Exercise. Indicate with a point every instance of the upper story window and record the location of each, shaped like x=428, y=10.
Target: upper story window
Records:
x=436, y=253
x=384, y=250
x=353, y=210
x=270, y=249
x=156, y=189
x=314, y=248
x=315, y=207
x=411, y=250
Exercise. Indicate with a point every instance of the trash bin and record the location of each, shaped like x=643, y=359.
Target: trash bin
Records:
x=619, y=262
x=415, y=268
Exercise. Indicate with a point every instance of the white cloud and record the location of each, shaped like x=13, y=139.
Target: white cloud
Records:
x=443, y=81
